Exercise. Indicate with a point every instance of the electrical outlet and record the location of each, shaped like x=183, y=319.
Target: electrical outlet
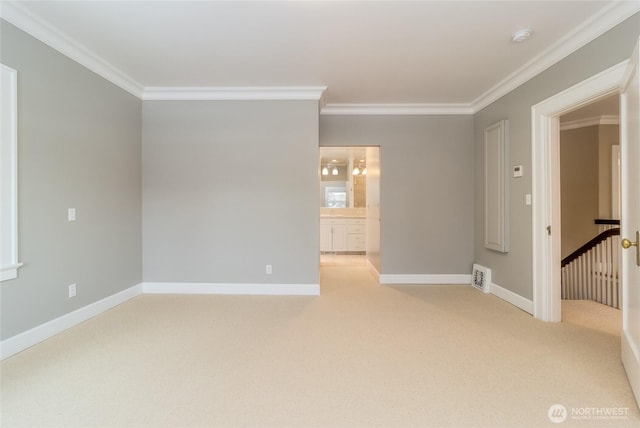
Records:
x=72, y=290
x=269, y=270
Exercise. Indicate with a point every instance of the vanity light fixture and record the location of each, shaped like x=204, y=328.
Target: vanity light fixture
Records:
x=325, y=170
x=359, y=170
x=521, y=35
x=334, y=171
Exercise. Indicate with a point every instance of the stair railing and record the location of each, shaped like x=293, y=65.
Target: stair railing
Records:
x=592, y=271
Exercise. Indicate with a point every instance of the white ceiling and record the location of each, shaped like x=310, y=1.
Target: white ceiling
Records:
x=435, y=52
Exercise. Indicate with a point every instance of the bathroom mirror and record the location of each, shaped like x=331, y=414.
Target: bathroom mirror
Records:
x=343, y=177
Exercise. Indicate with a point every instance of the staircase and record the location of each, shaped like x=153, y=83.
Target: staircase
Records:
x=592, y=271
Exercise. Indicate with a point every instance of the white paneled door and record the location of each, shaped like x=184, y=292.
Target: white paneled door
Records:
x=630, y=221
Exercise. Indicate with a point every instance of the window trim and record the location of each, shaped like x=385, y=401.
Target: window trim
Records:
x=9, y=171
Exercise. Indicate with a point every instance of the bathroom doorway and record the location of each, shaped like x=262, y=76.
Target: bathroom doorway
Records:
x=349, y=206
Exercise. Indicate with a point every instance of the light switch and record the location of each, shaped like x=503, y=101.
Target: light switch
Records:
x=72, y=214
x=527, y=199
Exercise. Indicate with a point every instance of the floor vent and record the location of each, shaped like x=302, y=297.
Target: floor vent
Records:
x=481, y=278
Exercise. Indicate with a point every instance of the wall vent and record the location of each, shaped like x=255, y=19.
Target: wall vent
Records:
x=481, y=278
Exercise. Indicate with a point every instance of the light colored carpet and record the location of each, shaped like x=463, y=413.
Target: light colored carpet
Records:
x=359, y=355
x=592, y=315
x=342, y=260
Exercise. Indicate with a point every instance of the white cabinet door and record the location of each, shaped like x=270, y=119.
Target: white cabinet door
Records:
x=340, y=237
x=326, y=239
x=356, y=242
x=356, y=234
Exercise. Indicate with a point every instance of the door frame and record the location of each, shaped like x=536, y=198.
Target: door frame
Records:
x=545, y=168
x=368, y=254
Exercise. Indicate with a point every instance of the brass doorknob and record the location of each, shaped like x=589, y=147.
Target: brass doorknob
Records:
x=626, y=244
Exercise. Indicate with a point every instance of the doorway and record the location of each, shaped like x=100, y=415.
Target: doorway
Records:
x=349, y=198
x=590, y=215
x=546, y=191
x=623, y=79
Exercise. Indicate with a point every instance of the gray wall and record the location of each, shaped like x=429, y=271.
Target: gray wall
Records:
x=513, y=270
x=78, y=147
x=229, y=187
x=578, y=186
x=608, y=136
x=585, y=175
x=426, y=187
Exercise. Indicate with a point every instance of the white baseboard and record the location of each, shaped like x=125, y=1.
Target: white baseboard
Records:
x=373, y=270
x=513, y=298
x=22, y=341
x=237, y=289
x=425, y=279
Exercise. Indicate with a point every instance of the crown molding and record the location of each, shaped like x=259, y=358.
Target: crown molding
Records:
x=396, y=109
x=589, y=30
x=20, y=17
x=230, y=93
x=598, y=24
x=590, y=121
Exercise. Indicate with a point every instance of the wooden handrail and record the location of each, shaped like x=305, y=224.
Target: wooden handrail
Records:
x=606, y=221
x=589, y=245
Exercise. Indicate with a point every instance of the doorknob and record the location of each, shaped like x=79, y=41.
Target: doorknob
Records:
x=626, y=244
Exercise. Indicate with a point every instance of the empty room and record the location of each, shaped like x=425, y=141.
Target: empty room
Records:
x=320, y=213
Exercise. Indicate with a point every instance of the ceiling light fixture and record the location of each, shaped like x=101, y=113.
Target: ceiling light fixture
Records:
x=521, y=35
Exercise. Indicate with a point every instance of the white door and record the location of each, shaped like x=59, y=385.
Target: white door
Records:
x=340, y=237
x=630, y=221
x=326, y=241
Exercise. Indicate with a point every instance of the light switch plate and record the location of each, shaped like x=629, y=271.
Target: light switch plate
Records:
x=72, y=214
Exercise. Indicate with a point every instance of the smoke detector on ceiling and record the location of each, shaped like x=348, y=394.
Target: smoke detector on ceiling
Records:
x=521, y=36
